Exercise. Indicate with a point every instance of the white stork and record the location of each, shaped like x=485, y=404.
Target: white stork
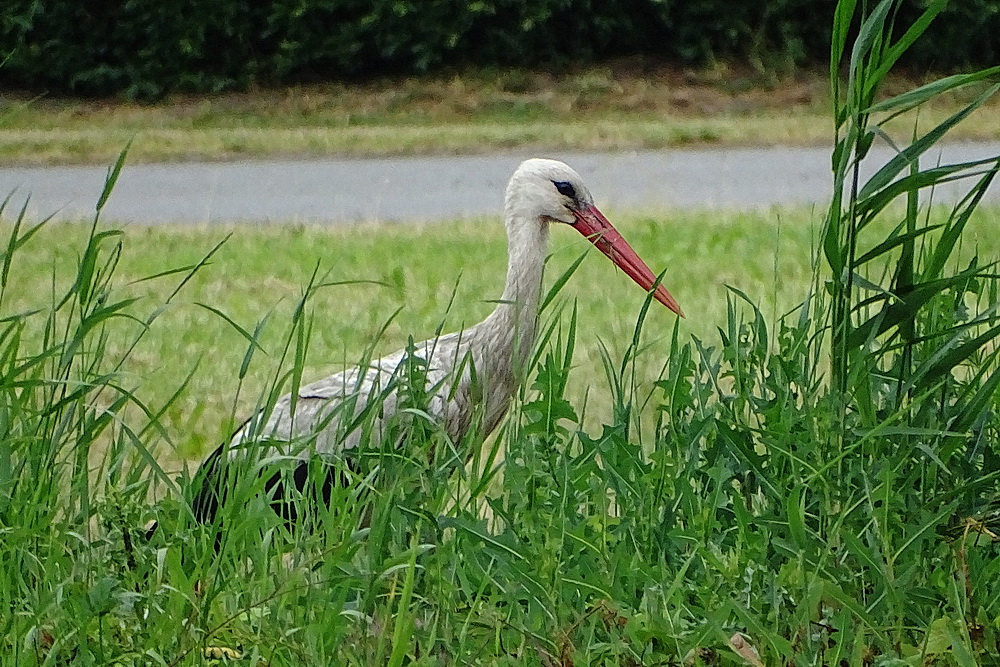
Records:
x=469, y=373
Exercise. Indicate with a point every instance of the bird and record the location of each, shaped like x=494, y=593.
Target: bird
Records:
x=469, y=376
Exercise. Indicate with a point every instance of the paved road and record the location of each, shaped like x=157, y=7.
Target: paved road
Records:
x=405, y=189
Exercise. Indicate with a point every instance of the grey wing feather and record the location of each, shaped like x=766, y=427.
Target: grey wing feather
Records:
x=330, y=408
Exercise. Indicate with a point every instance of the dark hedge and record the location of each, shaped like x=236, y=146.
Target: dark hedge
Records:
x=145, y=48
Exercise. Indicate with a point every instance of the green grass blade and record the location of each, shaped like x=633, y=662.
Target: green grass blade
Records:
x=919, y=180
x=869, y=36
x=943, y=363
x=403, y=630
x=891, y=243
x=960, y=218
x=112, y=178
x=893, y=167
x=917, y=96
x=251, y=338
x=561, y=281
x=979, y=403
x=916, y=29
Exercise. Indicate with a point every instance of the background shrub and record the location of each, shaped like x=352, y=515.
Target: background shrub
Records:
x=142, y=49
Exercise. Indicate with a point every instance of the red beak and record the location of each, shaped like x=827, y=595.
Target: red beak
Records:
x=591, y=223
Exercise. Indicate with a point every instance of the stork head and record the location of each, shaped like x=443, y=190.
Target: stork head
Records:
x=550, y=191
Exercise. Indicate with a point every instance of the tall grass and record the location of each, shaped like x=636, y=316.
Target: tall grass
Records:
x=818, y=488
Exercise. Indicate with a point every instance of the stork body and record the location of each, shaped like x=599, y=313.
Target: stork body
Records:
x=471, y=375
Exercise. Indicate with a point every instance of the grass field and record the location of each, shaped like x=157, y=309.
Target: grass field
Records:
x=429, y=276
x=805, y=471
x=619, y=107
x=262, y=271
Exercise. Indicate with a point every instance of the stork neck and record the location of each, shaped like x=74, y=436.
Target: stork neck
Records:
x=527, y=245
x=517, y=312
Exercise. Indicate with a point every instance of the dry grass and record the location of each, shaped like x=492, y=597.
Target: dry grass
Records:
x=618, y=107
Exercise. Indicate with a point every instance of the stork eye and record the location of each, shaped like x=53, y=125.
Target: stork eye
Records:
x=565, y=188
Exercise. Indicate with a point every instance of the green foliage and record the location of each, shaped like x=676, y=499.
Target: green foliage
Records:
x=144, y=50
x=134, y=48
x=901, y=325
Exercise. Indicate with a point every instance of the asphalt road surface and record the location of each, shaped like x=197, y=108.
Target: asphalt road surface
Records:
x=340, y=191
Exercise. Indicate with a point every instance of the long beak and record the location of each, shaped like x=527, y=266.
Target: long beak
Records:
x=591, y=223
